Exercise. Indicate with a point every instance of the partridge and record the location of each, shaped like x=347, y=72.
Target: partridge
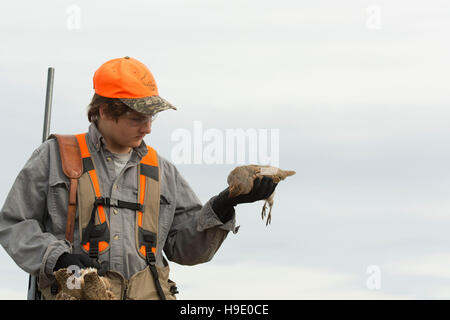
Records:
x=88, y=286
x=240, y=181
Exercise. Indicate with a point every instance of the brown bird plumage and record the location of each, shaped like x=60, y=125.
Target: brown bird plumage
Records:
x=240, y=181
x=90, y=285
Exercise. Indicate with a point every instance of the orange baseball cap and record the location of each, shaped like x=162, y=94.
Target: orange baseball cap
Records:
x=132, y=82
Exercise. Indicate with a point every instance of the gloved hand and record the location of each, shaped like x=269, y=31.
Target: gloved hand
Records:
x=223, y=206
x=80, y=260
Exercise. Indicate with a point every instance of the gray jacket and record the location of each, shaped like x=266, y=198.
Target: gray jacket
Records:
x=33, y=218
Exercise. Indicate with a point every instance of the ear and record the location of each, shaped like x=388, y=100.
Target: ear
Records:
x=101, y=112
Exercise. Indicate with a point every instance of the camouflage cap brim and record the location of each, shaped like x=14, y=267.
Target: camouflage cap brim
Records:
x=148, y=105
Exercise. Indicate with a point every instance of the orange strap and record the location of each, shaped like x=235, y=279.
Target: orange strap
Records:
x=102, y=245
x=149, y=159
x=86, y=154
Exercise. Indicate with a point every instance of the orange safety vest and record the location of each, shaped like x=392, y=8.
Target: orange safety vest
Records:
x=92, y=219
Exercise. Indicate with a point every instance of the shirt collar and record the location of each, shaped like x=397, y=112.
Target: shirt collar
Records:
x=97, y=141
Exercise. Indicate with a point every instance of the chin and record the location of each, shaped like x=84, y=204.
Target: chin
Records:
x=136, y=143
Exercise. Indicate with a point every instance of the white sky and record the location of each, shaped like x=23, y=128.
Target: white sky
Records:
x=362, y=113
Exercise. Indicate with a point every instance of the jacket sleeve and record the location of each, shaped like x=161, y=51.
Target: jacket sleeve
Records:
x=196, y=232
x=22, y=217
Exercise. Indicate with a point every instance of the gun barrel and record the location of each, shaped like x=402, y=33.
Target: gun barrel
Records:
x=33, y=293
x=48, y=103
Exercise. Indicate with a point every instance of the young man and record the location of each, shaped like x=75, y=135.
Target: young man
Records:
x=131, y=203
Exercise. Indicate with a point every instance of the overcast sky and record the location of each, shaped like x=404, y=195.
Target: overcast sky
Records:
x=358, y=91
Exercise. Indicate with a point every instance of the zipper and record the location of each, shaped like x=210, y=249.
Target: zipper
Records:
x=125, y=290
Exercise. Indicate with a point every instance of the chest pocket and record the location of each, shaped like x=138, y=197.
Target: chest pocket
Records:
x=165, y=217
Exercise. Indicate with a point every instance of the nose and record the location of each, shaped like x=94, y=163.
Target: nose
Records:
x=147, y=127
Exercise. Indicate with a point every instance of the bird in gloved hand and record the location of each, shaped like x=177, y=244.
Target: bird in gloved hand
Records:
x=251, y=183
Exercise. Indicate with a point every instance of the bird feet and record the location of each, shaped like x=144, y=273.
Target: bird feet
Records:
x=263, y=213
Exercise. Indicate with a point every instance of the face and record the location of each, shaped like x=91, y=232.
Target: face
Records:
x=125, y=133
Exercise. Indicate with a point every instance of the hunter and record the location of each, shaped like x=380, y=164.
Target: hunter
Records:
x=127, y=205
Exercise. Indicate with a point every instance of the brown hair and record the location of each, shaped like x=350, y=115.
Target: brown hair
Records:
x=114, y=108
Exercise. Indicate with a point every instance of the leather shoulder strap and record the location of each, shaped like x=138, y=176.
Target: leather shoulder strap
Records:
x=69, y=150
x=72, y=166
